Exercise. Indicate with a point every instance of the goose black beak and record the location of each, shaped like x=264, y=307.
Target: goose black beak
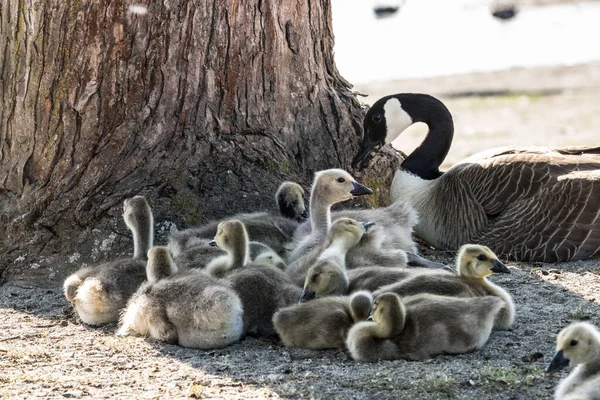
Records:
x=359, y=190
x=366, y=153
x=213, y=243
x=499, y=268
x=306, y=295
x=370, y=317
x=367, y=225
x=557, y=362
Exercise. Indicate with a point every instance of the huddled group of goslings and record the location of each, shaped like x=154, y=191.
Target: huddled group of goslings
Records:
x=346, y=279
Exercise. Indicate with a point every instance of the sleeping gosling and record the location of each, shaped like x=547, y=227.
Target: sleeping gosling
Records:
x=290, y=200
x=321, y=323
x=422, y=326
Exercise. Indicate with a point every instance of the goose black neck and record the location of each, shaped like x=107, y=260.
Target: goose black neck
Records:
x=426, y=159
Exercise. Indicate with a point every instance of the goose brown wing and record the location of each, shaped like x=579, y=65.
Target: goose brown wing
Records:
x=542, y=204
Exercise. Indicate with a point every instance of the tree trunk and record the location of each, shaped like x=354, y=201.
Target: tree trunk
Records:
x=204, y=107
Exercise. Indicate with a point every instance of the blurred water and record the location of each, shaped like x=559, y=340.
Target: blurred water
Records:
x=444, y=37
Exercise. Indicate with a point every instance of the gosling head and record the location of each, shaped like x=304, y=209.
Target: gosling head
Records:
x=160, y=264
x=230, y=234
x=475, y=261
x=389, y=312
x=290, y=200
x=578, y=343
x=135, y=210
x=348, y=230
x=325, y=278
x=336, y=185
x=361, y=303
x=270, y=258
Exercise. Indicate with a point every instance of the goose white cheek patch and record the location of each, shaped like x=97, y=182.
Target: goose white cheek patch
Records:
x=397, y=120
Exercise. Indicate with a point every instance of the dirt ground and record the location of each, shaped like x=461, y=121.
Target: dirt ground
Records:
x=46, y=353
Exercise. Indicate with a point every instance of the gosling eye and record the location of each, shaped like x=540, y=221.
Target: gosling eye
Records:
x=341, y=180
x=574, y=342
x=315, y=278
x=377, y=118
x=481, y=257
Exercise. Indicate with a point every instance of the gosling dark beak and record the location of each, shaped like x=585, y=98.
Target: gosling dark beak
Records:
x=557, y=362
x=359, y=190
x=499, y=268
x=213, y=243
x=303, y=216
x=370, y=317
x=306, y=295
x=365, y=154
x=367, y=225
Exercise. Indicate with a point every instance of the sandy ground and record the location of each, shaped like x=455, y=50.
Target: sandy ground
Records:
x=46, y=353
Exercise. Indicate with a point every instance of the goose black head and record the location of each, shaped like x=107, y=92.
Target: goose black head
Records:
x=389, y=116
x=386, y=117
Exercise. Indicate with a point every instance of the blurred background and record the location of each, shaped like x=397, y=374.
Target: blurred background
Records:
x=511, y=72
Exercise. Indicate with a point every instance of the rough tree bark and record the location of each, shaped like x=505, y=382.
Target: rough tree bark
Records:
x=202, y=106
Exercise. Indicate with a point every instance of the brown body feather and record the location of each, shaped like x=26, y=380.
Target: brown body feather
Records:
x=525, y=204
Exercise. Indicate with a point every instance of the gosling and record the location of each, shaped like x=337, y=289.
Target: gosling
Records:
x=344, y=235
x=189, y=309
x=100, y=292
x=322, y=323
x=262, y=288
x=474, y=264
x=578, y=345
x=266, y=227
x=422, y=326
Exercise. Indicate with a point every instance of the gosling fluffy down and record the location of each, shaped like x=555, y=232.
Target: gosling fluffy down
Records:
x=578, y=345
x=265, y=227
x=322, y=323
x=262, y=288
x=190, y=309
x=474, y=264
x=423, y=326
x=100, y=292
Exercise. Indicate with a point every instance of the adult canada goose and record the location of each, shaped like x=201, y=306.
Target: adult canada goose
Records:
x=578, y=345
x=98, y=293
x=262, y=288
x=535, y=204
x=474, y=264
x=420, y=327
x=265, y=227
x=190, y=309
x=322, y=323
x=329, y=187
x=344, y=235
x=290, y=200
